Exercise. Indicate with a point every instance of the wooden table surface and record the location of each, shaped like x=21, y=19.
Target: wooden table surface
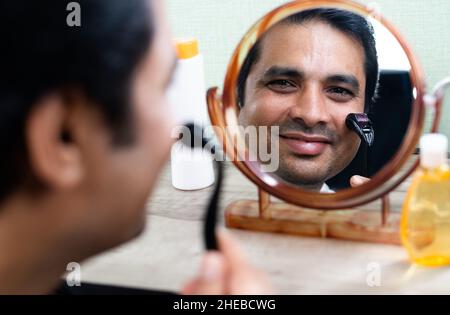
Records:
x=169, y=251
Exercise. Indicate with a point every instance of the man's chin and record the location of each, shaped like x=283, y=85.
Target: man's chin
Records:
x=132, y=230
x=138, y=227
x=307, y=173
x=306, y=181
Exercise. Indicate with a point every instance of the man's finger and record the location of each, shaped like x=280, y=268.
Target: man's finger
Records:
x=211, y=278
x=242, y=277
x=357, y=181
x=230, y=248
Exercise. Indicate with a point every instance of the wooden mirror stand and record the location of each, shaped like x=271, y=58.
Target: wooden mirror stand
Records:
x=375, y=226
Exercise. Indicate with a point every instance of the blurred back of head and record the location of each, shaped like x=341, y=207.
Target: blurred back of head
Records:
x=41, y=53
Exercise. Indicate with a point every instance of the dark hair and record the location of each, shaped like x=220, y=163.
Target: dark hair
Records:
x=347, y=22
x=41, y=53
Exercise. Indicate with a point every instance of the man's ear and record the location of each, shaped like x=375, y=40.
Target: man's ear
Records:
x=54, y=156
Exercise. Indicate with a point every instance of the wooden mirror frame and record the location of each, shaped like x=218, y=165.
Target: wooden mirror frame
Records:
x=224, y=111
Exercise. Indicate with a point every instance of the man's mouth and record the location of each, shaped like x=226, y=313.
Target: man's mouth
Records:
x=306, y=145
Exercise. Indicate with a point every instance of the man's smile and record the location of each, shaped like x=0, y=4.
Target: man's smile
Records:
x=306, y=145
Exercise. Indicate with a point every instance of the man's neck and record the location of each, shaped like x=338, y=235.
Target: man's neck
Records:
x=34, y=253
x=312, y=188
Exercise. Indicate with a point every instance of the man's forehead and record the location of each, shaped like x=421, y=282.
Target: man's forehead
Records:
x=302, y=46
x=162, y=52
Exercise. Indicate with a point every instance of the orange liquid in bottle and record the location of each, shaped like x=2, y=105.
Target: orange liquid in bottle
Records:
x=425, y=224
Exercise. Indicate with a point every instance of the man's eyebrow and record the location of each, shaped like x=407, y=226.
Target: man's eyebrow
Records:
x=346, y=79
x=277, y=71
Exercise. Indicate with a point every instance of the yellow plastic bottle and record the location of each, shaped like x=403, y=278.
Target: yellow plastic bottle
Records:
x=425, y=224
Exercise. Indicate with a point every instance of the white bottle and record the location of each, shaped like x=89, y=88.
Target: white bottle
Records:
x=192, y=169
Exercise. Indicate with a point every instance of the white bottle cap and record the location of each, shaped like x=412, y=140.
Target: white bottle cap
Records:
x=433, y=150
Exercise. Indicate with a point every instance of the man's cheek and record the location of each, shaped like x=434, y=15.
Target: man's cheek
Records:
x=269, y=113
x=353, y=144
x=162, y=134
x=155, y=126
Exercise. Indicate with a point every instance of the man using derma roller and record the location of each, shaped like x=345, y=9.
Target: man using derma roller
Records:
x=317, y=91
x=85, y=131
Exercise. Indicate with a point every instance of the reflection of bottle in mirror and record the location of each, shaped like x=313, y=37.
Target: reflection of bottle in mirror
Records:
x=425, y=225
x=192, y=169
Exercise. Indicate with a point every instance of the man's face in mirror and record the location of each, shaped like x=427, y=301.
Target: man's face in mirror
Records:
x=308, y=78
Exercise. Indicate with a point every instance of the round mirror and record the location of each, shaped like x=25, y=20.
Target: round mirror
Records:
x=322, y=105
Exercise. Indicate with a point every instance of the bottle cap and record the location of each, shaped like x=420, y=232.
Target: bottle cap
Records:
x=433, y=150
x=186, y=48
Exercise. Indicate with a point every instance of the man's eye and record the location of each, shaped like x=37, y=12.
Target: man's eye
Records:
x=282, y=86
x=341, y=93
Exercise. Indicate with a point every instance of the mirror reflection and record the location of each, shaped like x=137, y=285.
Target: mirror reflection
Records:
x=333, y=89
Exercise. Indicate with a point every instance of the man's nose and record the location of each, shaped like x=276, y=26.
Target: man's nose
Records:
x=311, y=107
